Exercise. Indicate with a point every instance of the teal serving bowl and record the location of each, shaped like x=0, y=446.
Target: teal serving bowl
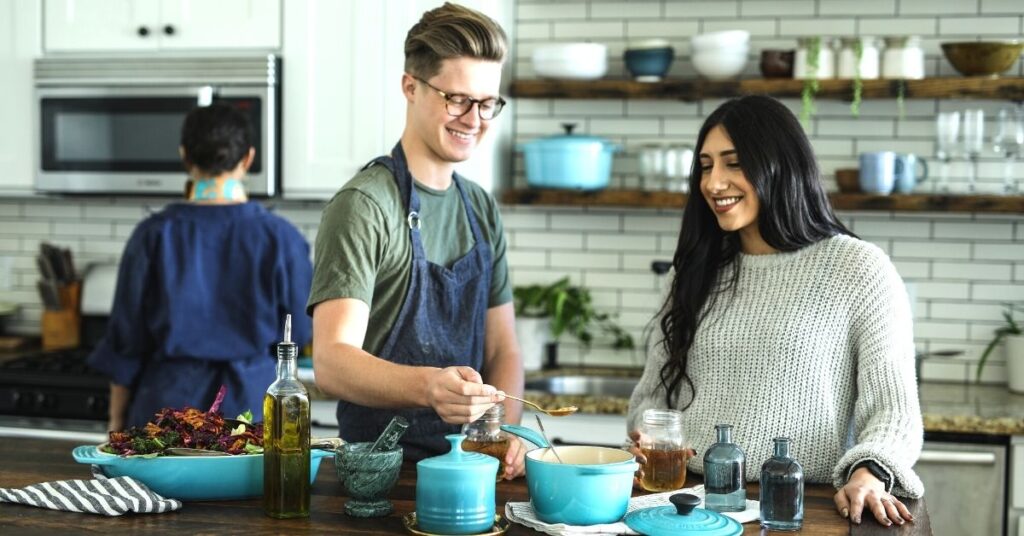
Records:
x=192, y=478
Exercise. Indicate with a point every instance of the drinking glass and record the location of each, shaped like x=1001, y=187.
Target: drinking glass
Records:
x=947, y=128
x=1007, y=142
x=973, y=140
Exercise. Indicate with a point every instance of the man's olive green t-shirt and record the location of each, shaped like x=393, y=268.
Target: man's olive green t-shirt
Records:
x=363, y=249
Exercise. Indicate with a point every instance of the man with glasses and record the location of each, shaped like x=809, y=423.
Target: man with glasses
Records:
x=411, y=300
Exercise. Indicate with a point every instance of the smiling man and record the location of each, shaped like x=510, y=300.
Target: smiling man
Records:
x=411, y=300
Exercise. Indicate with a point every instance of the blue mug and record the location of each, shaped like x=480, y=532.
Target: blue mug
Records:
x=906, y=175
x=878, y=172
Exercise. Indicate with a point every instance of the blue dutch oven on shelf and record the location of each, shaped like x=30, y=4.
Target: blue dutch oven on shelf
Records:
x=569, y=161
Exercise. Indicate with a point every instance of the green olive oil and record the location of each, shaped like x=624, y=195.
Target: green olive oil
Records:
x=286, y=437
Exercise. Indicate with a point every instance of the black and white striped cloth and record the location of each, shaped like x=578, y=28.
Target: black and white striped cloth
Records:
x=102, y=495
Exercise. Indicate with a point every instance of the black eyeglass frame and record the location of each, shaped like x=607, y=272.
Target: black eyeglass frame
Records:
x=499, y=103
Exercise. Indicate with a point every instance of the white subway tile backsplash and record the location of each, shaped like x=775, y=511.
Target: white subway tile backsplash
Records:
x=931, y=329
x=82, y=229
x=589, y=107
x=518, y=258
x=619, y=280
x=781, y=8
x=973, y=270
x=881, y=228
x=668, y=223
x=701, y=9
x=1007, y=252
x=662, y=29
x=620, y=242
x=625, y=10
x=586, y=222
x=1005, y=7
x=848, y=128
x=1002, y=26
x=551, y=11
x=902, y=249
x=584, y=260
x=10, y=209
x=950, y=291
x=534, y=30
x=898, y=26
x=1003, y=293
x=861, y=7
x=758, y=28
x=944, y=371
x=826, y=27
x=662, y=108
x=913, y=270
x=12, y=227
x=548, y=240
x=931, y=7
x=974, y=230
x=56, y=211
x=964, y=311
x=619, y=127
x=590, y=29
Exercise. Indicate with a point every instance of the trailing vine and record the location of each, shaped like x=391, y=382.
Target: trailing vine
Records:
x=901, y=91
x=811, y=84
x=858, y=85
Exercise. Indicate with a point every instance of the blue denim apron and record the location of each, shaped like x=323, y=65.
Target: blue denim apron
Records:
x=441, y=323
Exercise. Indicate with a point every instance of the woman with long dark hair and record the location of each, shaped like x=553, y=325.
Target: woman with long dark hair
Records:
x=781, y=322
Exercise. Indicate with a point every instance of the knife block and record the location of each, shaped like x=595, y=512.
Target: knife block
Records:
x=63, y=328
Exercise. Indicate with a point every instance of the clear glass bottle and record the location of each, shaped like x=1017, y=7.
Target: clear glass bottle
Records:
x=662, y=443
x=724, y=468
x=286, y=437
x=782, y=490
x=485, y=435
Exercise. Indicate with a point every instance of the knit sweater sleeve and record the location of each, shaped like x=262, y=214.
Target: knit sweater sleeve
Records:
x=887, y=414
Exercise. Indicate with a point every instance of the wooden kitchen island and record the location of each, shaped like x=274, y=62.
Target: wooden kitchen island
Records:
x=30, y=461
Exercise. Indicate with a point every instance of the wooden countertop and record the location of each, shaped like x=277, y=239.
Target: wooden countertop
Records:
x=31, y=461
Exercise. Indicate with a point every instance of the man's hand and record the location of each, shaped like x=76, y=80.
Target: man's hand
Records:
x=864, y=491
x=459, y=396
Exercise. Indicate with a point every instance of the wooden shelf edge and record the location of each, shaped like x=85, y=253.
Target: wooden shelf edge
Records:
x=999, y=88
x=840, y=201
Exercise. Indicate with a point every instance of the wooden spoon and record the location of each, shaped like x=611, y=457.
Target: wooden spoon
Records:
x=556, y=412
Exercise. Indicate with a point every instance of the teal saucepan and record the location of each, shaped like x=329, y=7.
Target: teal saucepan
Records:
x=191, y=478
x=591, y=487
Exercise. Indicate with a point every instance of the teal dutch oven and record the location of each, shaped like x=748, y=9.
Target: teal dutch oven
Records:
x=591, y=487
x=455, y=491
x=569, y=161
x=192, y=478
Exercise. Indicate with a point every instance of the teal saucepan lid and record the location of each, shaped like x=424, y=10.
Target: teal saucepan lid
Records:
x=682, y=519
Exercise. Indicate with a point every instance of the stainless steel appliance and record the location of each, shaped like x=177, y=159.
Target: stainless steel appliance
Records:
x=965, y=480
x=113, y=125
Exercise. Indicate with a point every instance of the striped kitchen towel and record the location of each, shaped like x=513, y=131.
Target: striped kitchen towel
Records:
x=102, y=495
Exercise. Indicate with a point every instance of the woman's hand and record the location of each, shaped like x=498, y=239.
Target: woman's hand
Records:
x=515, y=459
x=865, y=492
x=633, y=446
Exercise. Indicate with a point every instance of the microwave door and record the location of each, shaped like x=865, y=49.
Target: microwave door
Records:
x=110, y=141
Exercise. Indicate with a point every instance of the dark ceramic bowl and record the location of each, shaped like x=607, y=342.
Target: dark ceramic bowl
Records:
x=986, y=58
x=777, y=63
x=848, y=180
x=649, y=64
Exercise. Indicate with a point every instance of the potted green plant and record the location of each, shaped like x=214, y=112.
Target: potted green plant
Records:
x=545, y=312
x=1011, y=335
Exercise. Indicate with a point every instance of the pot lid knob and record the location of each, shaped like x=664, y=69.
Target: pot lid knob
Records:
x=568, y=128
x=684, y=503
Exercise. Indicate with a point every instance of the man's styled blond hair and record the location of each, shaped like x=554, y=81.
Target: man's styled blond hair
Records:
x=452, y=31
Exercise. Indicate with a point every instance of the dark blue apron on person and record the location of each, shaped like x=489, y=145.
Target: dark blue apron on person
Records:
x=441, y=323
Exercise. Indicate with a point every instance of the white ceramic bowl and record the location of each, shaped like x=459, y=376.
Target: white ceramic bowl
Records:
x=730, y=39
x=719, y=65
x=576, y=61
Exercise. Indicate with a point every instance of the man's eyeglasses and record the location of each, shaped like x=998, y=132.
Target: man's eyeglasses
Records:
x=460, y=105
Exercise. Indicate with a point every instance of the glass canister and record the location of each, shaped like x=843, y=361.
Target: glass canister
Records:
x=814, y=59
x=678, y=161
x=725, y=465
x=455, y=491
x=663, y=444
x=903, y=58
x=782, y=490
x=485, y=435
x=858, y=56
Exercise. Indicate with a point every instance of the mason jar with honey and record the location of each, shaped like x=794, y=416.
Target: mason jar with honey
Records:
x=663, y=444
x=485, y=435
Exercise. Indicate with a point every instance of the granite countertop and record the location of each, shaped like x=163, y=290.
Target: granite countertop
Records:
x=946, y=407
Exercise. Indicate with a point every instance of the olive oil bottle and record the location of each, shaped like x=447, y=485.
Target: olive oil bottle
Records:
x=286, y=437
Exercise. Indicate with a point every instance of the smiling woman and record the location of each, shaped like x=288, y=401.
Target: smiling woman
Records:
x=752, y=338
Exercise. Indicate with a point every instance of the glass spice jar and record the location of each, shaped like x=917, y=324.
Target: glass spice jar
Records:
x=814, y=59
x=663, y=444
x=854, y=63
x=903, y=58
x=486, y=436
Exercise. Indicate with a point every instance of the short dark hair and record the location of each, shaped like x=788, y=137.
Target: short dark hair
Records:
x=452, y=31
x=215, y=138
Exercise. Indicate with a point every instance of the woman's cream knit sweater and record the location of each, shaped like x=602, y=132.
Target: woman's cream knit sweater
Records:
x=815, y=345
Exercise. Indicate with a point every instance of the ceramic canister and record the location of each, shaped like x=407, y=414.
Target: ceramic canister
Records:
x=455, y=491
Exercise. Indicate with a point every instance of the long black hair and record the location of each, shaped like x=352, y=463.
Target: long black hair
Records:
x=777, y=160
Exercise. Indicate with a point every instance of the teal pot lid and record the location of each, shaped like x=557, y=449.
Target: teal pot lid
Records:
x=569, y=140
x=671, y=521
x=459, y=460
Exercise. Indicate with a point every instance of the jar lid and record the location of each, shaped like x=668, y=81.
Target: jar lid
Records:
x=644, y=44
x=458, y=459
x=668, y=521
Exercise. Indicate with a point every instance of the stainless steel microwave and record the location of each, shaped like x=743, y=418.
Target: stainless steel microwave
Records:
x=113, y=125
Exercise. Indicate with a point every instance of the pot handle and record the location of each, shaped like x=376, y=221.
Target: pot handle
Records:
x=90, y=454
x=526, y=433
x=568, y=128
x=615, y=468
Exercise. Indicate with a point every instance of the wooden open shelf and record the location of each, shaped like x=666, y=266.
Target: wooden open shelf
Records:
x=1008, y=88
x=897, y=202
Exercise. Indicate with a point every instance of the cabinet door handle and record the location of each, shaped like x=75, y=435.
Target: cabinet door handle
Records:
x=169, y=30
x=143, y=31
x=942, y=456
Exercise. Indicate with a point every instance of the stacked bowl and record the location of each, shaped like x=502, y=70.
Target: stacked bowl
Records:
x=720, y=55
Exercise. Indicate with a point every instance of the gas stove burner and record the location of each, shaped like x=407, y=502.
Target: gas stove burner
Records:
x=57, y=384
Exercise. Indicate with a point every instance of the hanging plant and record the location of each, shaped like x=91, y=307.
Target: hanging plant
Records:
x=811, y=85
x=901, y=92
x=858, y=85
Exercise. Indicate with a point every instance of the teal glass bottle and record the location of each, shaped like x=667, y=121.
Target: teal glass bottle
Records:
x=782, y=490
x=725, y=465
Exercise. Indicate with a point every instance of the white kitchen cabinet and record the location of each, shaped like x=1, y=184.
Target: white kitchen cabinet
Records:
x=343, y=105
x=150, y=25
x=20, y=25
